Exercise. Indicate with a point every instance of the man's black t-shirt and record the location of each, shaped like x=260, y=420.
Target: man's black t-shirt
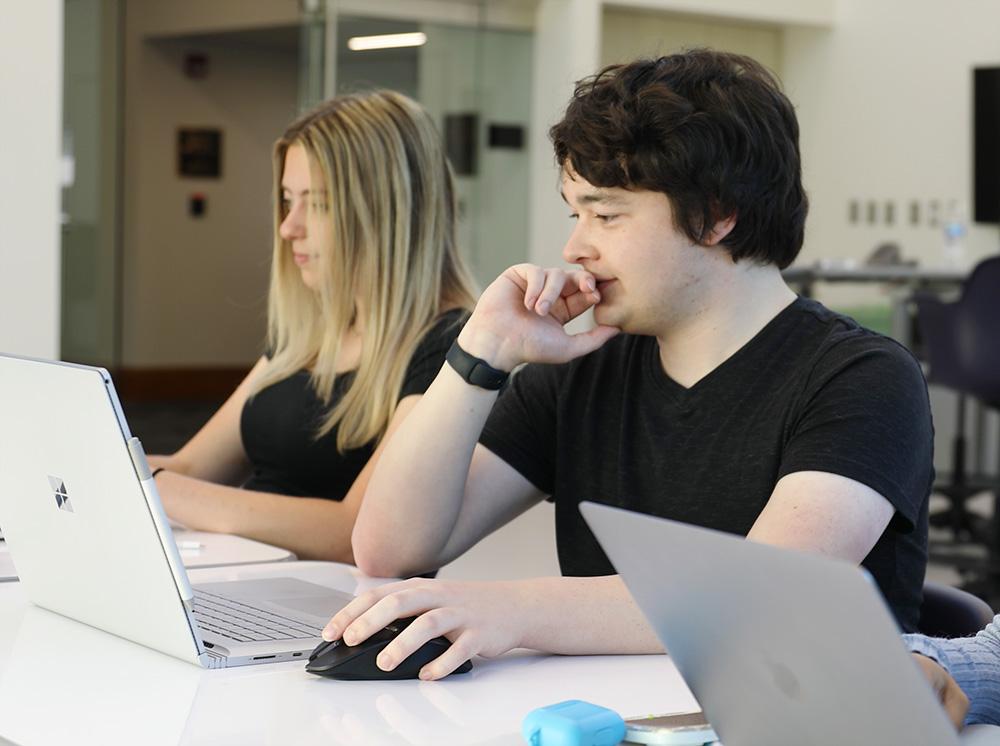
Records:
x=279, y=425
x=812, y=391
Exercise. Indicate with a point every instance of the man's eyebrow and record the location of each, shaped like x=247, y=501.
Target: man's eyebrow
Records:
x=598, y=196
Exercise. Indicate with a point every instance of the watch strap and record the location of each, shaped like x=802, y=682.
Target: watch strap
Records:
x=474, y=370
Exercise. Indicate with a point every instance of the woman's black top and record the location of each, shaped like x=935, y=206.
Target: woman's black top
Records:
x=279, y=425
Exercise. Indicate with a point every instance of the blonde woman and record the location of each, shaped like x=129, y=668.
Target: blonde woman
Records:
x=368, y=291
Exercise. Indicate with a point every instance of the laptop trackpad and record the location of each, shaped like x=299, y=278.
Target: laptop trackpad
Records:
x=290, y=593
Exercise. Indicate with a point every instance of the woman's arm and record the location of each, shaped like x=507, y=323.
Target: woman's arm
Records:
x=311, y=527
x=215, y=453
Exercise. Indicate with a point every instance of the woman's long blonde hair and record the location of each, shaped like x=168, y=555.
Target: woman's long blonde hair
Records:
x=390, y=203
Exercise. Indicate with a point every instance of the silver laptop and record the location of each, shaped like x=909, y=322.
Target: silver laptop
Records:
x=779, y=647
x=84, y=524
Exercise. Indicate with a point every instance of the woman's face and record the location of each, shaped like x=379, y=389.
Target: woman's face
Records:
x=306, y=225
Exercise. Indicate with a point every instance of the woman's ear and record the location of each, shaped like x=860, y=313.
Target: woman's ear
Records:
x=720, y=230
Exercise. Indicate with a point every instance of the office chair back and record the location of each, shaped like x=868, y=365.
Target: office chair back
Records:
x=978, y=331
x=952, y=612
x=962, y=339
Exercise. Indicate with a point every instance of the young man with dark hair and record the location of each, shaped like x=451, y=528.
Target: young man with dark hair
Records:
x=707, y=393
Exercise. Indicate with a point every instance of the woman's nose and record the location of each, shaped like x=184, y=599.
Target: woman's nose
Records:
x=293, y=226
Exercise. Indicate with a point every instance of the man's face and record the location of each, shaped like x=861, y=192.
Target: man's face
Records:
x=646, y=270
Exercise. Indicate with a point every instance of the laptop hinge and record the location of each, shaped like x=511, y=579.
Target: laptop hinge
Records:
x=211, y=659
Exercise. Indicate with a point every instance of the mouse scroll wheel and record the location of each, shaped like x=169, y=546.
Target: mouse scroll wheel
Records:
x=399, y=625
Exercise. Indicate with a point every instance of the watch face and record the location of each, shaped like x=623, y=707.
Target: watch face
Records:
x=486, y=377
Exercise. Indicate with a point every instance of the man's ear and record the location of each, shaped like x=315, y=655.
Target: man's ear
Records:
x=720, y=230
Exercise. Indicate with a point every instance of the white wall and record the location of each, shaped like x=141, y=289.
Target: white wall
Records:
x=31, y=46
x=180, y=17
x=627, y=34
x=804, y=12
x=195, y=288
x=884, y=103
x=567, y=47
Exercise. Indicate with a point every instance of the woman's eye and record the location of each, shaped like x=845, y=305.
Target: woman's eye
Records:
x=573, y=216
x=605, y=218
x=286, y=206
x=319, y=206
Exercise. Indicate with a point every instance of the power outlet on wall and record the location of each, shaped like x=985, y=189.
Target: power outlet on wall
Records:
x=928, y=213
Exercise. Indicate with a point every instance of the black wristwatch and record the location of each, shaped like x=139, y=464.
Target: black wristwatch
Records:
x=475, y=370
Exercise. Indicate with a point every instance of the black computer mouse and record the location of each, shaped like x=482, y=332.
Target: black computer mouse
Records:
x=357, y=662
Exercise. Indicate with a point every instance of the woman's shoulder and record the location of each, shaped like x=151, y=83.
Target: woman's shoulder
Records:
x=442, y=332
x=430, y=352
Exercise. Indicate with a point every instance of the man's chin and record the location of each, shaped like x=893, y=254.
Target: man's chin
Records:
x=607, y=316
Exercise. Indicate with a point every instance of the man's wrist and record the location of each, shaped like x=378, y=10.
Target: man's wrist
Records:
x=487, y=347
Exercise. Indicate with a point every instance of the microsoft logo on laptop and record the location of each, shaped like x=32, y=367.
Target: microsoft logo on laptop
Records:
x=59, y=490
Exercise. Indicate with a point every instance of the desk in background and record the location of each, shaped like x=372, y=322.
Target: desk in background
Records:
x=905, y=280
x=197, y=549
x=63, y=682
x=804, y=277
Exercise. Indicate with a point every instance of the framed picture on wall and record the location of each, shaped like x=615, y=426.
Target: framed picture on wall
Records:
x=199, y=152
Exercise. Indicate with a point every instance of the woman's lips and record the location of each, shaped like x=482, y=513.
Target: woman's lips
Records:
x=300, y=259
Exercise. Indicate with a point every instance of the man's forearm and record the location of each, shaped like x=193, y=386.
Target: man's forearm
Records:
x=415, y=494
x=584, y=616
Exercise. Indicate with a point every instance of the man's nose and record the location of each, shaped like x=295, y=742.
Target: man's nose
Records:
x=578, y=247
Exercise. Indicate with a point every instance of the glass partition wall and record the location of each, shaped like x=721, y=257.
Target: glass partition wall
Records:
x=90, y=277
x=476, y=83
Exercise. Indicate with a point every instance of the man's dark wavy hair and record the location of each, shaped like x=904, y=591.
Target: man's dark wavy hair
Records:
x=711, y=130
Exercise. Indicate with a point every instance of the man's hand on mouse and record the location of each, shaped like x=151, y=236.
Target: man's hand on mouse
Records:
x=519, y=318
x=481, y=618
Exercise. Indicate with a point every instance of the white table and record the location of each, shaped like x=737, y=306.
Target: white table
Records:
x=197, y=549
x=204, y=549
x=7, y=571
x=63, y=682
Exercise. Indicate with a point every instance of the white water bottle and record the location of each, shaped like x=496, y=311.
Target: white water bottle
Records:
x=955, y=230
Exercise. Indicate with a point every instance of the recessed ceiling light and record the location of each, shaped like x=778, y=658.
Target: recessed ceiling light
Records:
x=386, y=41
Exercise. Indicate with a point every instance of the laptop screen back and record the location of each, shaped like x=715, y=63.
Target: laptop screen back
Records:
x=779, y=647
x=75, y=516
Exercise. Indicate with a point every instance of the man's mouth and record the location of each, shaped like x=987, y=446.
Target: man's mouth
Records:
x=602, y=285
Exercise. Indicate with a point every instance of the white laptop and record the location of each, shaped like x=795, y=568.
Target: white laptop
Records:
x=83, y=521
x=779, y=647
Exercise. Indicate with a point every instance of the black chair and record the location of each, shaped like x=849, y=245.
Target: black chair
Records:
x=961, y=342
x=951, y=612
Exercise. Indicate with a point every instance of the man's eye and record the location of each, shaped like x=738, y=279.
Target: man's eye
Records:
x=573, y=216
x=605, y=218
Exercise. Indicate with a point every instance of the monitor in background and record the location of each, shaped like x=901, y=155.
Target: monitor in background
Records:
x=986, y=138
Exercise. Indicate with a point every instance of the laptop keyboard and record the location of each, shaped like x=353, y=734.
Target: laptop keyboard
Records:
x=242, y=622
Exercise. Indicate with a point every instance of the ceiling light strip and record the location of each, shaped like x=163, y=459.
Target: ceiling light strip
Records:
x=386, y=41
